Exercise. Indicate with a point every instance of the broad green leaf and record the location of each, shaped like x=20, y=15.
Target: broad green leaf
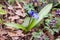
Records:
x=26, y=21
x=1, y=21
x=1, y=6
x=3, y=11
x=18, y=26
x=42, y=14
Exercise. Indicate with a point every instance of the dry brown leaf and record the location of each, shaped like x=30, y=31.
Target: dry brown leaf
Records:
x=19, y=12
x=10, y=28
x=16, y=33
x=15, y=38
x=14, y=17
x=19, y=21
x=2, y=32
x=11, y=13
x=1, y=38
x=10, y=7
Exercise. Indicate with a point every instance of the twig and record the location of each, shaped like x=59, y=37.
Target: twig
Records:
x=18, y=3
x=31, y=38
x=50, y=35
x=22, y=9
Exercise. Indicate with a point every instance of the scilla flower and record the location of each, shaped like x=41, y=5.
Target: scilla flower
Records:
x=35, y=0
x=53, y=22
x=34, y=14
x=58, y=12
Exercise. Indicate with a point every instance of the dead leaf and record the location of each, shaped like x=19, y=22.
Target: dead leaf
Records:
x=1, y=38
x=11, y=13
x=19, y=12
x=10, y=28
x=14, y=17
x=2, y=32
x=16, y=33
x=15, y=38
x=19, y=21
x=10, y=7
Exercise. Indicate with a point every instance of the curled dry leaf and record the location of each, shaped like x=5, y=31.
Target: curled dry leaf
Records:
x=19, y=21
x=14, y=17
x=20, y=13
x=16, y=33
x=10, y=7
x=11, y=13
x=16, y=7
x=15, y=38
x=10, y=28
x=1, y=38
x=2, y=32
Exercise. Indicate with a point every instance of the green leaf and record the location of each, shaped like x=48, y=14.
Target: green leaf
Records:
x=1, y=21
x=49, y=29
x=56, y=30
x=42, y=14
x=28, y=7
x=18, y=26
x=3, y=11
x=11, y=1
x=20, y=0
x=1, y=6
x=37, y=34
x=46, y=38
x=26, y=21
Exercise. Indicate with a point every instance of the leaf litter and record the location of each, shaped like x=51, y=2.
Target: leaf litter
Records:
x=14, y=14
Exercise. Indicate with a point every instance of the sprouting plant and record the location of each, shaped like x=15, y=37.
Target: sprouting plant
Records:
x=39, y=35
x=34, y=21
x=28, y=7
x=52, y=24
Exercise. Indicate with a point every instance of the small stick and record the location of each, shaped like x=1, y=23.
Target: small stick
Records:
x=18, y=3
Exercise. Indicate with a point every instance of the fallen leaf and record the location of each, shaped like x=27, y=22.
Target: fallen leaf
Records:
x=19, y=21
x=16, y=33
x=10, y=7
x=10, y=28
x=14, y=17
x=19, y=12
